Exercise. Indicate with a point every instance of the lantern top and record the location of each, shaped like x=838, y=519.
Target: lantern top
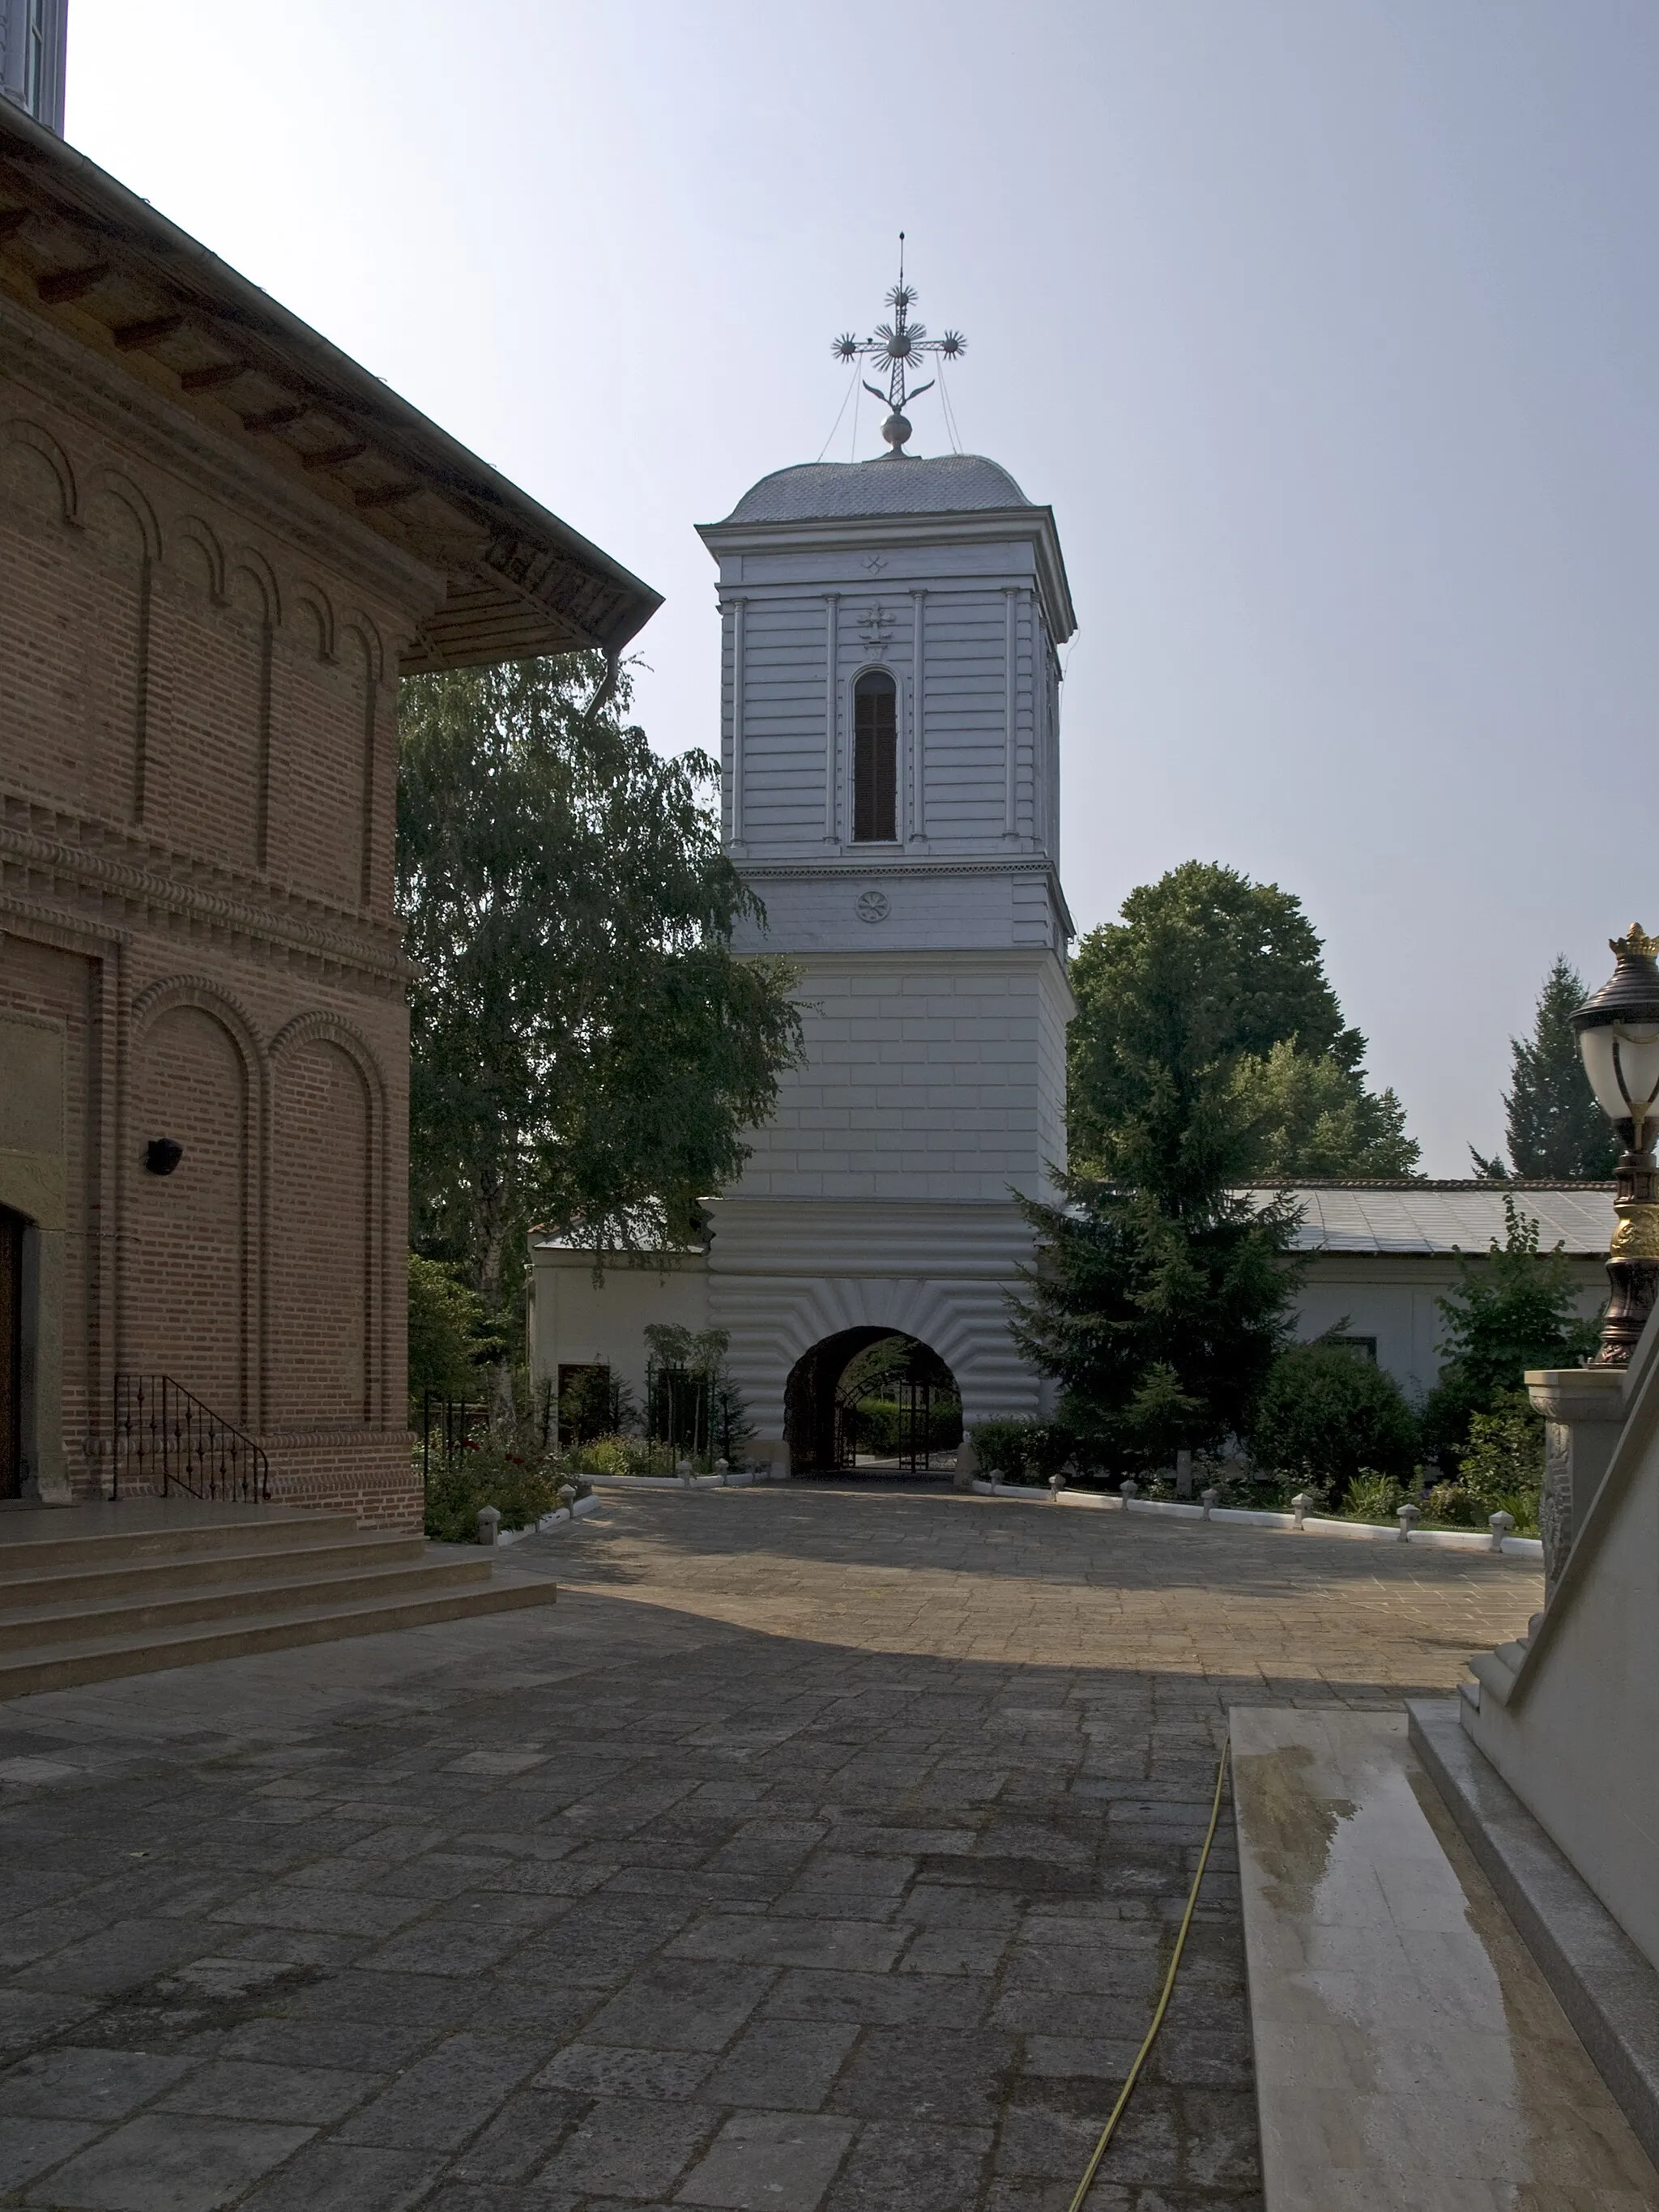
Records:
x=1631, y=993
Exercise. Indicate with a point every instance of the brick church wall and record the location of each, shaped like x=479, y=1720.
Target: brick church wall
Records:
x=198, y=672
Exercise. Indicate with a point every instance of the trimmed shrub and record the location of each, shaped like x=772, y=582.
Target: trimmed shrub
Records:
x=1502, y=1470
x=521, y=1486
x=1023, y=1451
x=884, y=1426
x=619, y=1454
x=1505, y=1455
x=1326, y=1412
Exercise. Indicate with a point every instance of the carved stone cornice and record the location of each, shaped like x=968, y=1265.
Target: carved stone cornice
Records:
x=68, y=932
x=329, y=936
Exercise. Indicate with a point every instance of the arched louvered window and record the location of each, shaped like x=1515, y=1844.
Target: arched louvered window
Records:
x=875, y=759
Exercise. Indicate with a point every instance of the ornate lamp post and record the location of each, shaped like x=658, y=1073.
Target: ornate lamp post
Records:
x=1618, y=1033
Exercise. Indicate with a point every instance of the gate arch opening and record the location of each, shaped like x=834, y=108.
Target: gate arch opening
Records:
x=875, y=1400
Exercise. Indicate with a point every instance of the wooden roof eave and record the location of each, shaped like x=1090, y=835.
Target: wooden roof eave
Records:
x=520, y=580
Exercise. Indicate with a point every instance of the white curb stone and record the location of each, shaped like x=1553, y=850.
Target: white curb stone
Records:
x=1364, y=1532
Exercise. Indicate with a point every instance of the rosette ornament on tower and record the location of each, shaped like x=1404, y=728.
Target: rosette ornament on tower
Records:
x=903, y=346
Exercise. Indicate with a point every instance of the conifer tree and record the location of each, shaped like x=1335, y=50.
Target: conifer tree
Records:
x=1161, y=1295
x=1159, y=1318
x=1555, y=1129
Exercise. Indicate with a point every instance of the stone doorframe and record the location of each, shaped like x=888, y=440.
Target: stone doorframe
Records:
x=33, y=1183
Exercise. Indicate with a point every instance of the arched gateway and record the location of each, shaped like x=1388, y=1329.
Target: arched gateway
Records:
x=891, y=788
x=873, y=1399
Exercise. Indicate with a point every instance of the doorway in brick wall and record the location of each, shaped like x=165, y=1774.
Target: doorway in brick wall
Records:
x=12, y=1227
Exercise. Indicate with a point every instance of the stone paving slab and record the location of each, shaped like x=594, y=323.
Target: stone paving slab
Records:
x=820, y=1851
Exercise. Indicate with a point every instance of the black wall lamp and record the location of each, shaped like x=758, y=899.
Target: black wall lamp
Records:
x=162, y=1155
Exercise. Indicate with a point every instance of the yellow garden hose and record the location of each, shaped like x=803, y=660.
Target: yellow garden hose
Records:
x=1133, y=2075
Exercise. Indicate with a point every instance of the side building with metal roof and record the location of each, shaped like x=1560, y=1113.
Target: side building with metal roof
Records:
x=1382, y=1255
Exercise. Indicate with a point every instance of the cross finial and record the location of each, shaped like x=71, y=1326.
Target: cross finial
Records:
x=901, y=344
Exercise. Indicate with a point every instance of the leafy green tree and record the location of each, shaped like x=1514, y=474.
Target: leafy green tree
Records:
x=587, y=1047
x=1159, y=1309
x=1515, y=1308
x=1325, y=1411
x=1307, y=1115
x=446, y=1338
x=1502, y=1468
x=1555, y=1129
x=1204, y=972
x=698, y=1403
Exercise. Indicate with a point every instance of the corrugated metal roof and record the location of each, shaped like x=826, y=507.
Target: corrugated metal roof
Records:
x=903, y=483
x=1446, y=1217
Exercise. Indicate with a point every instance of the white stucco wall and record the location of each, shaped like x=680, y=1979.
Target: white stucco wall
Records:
x=1394, y=1297
x=927, y=1076
x=785, y=1274
x=962, y=611
x=576, y=1319
x=781, y=1276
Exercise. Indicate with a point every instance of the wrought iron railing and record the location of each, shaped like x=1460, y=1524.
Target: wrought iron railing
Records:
x=166, y=1439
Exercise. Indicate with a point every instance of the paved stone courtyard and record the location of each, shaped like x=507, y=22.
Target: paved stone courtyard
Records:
x=819, y=1849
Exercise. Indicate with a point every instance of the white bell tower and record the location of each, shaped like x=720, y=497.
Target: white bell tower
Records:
x=34, y=39
x=891, y=792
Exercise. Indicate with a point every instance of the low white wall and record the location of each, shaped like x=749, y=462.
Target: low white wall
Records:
x=574, y=1320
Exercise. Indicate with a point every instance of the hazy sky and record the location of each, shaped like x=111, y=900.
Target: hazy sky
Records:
x=1328, y=329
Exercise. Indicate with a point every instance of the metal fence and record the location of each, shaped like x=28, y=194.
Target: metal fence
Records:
x=448, y=1423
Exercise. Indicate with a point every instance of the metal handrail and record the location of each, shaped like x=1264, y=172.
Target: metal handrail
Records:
x=167, y=1439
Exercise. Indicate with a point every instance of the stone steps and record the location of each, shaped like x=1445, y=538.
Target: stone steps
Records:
x=134, y=1599
x=72, y=1584
x=121, y=1536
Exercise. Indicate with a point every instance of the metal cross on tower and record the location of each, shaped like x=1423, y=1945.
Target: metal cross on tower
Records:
x=902, y=344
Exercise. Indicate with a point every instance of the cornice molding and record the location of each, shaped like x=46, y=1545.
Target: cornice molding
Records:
x=65, y=933
x=365, y=947
x=901, y=864
x=1033, y=525
x=833, y=869
x=911, y=960
x=932, y=588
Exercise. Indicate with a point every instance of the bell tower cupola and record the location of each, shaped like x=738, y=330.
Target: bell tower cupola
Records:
x=891, y=676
